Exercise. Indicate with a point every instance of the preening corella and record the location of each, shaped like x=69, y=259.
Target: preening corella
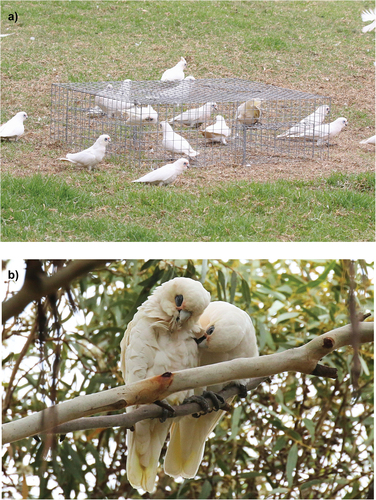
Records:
x=90, y=157
x=165, y=175
x=160, y=338
x=249, y=113
x=228, y=334
x=14, y=127
x=175, y=73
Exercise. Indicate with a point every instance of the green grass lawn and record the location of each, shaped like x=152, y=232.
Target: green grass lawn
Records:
x=48, y=209
x=311, y=46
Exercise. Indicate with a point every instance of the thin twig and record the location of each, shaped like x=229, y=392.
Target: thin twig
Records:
x=25, y=348
x=37, y=286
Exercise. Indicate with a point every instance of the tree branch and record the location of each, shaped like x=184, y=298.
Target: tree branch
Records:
x=10, y=388
x=302, y=359
x=128, y=420
x=38, y=285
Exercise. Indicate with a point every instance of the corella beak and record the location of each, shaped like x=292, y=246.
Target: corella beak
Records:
x=201, y=339
x=183, y=316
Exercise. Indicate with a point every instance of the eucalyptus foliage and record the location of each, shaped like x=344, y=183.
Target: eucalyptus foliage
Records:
x=297, y=436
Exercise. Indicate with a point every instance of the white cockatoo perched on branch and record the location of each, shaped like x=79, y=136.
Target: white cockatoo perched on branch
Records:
x=159, y=339
x=229, y=334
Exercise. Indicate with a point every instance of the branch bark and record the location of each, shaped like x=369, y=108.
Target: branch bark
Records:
x=128, y=420
x=302, y=359
x=38, y=285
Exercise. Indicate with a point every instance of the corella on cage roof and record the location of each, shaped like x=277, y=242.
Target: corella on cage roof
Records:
x=119, y=104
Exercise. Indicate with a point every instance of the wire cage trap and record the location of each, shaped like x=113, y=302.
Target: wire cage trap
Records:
x=149, y=121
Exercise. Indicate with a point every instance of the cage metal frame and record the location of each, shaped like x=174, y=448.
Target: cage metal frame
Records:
x=76, y=119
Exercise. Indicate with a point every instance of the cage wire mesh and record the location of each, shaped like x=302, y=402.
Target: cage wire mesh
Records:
x=131, y=112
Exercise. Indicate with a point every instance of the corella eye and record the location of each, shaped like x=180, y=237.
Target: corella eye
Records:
x=179, y=300
x=210, y=330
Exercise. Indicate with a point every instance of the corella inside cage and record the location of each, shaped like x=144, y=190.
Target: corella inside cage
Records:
x=211, y=121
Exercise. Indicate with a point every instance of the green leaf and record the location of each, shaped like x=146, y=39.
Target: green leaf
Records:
x=268, y=291
x=364, y=365
x=292, y=459
x=222, y=281
x=234, y=280
x=275, y=307
x=219, y=293
x=205, y=490
x=235, y=422
x=286, y=316
x=222, y=465
x=319, y=280
x=246, y=293
x=310, y=426
x=149, y=263
x=309, y=484
x=281, y=443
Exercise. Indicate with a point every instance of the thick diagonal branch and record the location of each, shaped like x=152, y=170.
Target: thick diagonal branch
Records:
x=302, y=359
x=38, y=285
x=128, y=420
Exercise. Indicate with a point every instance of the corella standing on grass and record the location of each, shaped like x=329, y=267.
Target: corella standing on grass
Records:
x=370, y=140
x=228, y=334
x=14, y=127
x=165, y=175
x=90, y=157
x=159, y=339
x=308, y=122
x=196, y=116
x=176, y=143
x=217, y=132
x=369, y=15
x=175, y=73
x=322, y=133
